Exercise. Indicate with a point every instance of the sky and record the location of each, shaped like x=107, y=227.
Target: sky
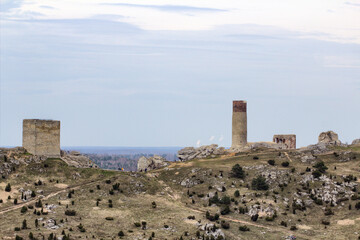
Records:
x=165, y=73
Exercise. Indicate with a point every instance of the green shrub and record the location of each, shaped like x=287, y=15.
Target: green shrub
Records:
x=325, y=222
x=237, y=193
x=285, y=164
x=244, y=228
x=316, y=174
x=137, y=224
x=259, y=183
x=121, y=234
x=283, y=224
x=237, y=171
x=109, y=218
x=225, y=225
x=24, y=224
x=225, y=210
x=357, y=205
x=69, y=212
x=24, y=209
x=320, y=166
x=8, y=187
x=293, y=228
x=271, y=162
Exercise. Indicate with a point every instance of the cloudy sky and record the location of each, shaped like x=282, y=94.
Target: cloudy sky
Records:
x=164, y=73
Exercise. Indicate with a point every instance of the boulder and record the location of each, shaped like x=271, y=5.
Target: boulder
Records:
x=151, y=163
x=77, y=160
x=75, y=153
x=190, y=153
x=329, y=137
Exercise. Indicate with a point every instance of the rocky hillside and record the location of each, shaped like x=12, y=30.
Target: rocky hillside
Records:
x=260, y=193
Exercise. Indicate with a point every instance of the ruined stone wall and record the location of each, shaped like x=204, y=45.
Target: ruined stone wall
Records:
x=239, y=124
x=288, y=140
x=42, y=137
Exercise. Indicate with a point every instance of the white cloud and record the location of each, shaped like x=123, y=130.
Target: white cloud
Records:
x=307, y=16
x=221, y=138
x=198, y=143
x=211, y=138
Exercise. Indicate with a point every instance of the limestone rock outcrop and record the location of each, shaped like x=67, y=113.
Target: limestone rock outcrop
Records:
x=190, y=153
x=356, y=142
x=78, y=160
x=329, y=137
x=155, y=162
x=11, y=158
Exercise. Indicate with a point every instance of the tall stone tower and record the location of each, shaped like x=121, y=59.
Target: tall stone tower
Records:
x=239, y=124
x=42, y=137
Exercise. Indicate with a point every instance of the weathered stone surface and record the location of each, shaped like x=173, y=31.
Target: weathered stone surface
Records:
x=13, y=157
x=212, y=231
x=41, y=137
x=77, y=160
x=329, y=137
x=151, y=163
x=190, y=153
x=356, y=142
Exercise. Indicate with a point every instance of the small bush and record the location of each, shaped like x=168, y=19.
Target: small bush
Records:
x=325, y=222
x=16, y=229
x=271, y=162
x=237, y=193
x=69, y=212
x=293, y=228
x=121, y=234
x=225, y=225
x=24, y=209
x=237, y=171
x=38, y=204
x=320, y=166
x=259, y=183
x=8, y=187
x=357, y=205
x=137, y=224
x=283, y=224
x=109, y=218
x=255, y=217
x=244, y=228
x=225, y=210
x=285, y=164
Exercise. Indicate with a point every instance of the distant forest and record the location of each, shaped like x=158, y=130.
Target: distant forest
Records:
x=126, y=161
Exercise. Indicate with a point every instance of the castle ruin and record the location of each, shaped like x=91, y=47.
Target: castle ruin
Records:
x=42, y=137
x=288, y=140
x=239, y=124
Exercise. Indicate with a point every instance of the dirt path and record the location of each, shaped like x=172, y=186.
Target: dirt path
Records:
x=287, y=155
x=52, y=194
x=270, y=228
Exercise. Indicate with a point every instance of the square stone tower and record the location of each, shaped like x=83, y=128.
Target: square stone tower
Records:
x=42, y=137
x=239, y=124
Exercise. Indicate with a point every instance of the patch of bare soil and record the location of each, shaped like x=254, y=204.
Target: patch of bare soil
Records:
x=304, y=227
x=61, y=185
x=181, y=164
x=346, y=222
x=190, y=221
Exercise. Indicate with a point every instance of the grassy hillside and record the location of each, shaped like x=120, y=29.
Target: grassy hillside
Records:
x=172, y=202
